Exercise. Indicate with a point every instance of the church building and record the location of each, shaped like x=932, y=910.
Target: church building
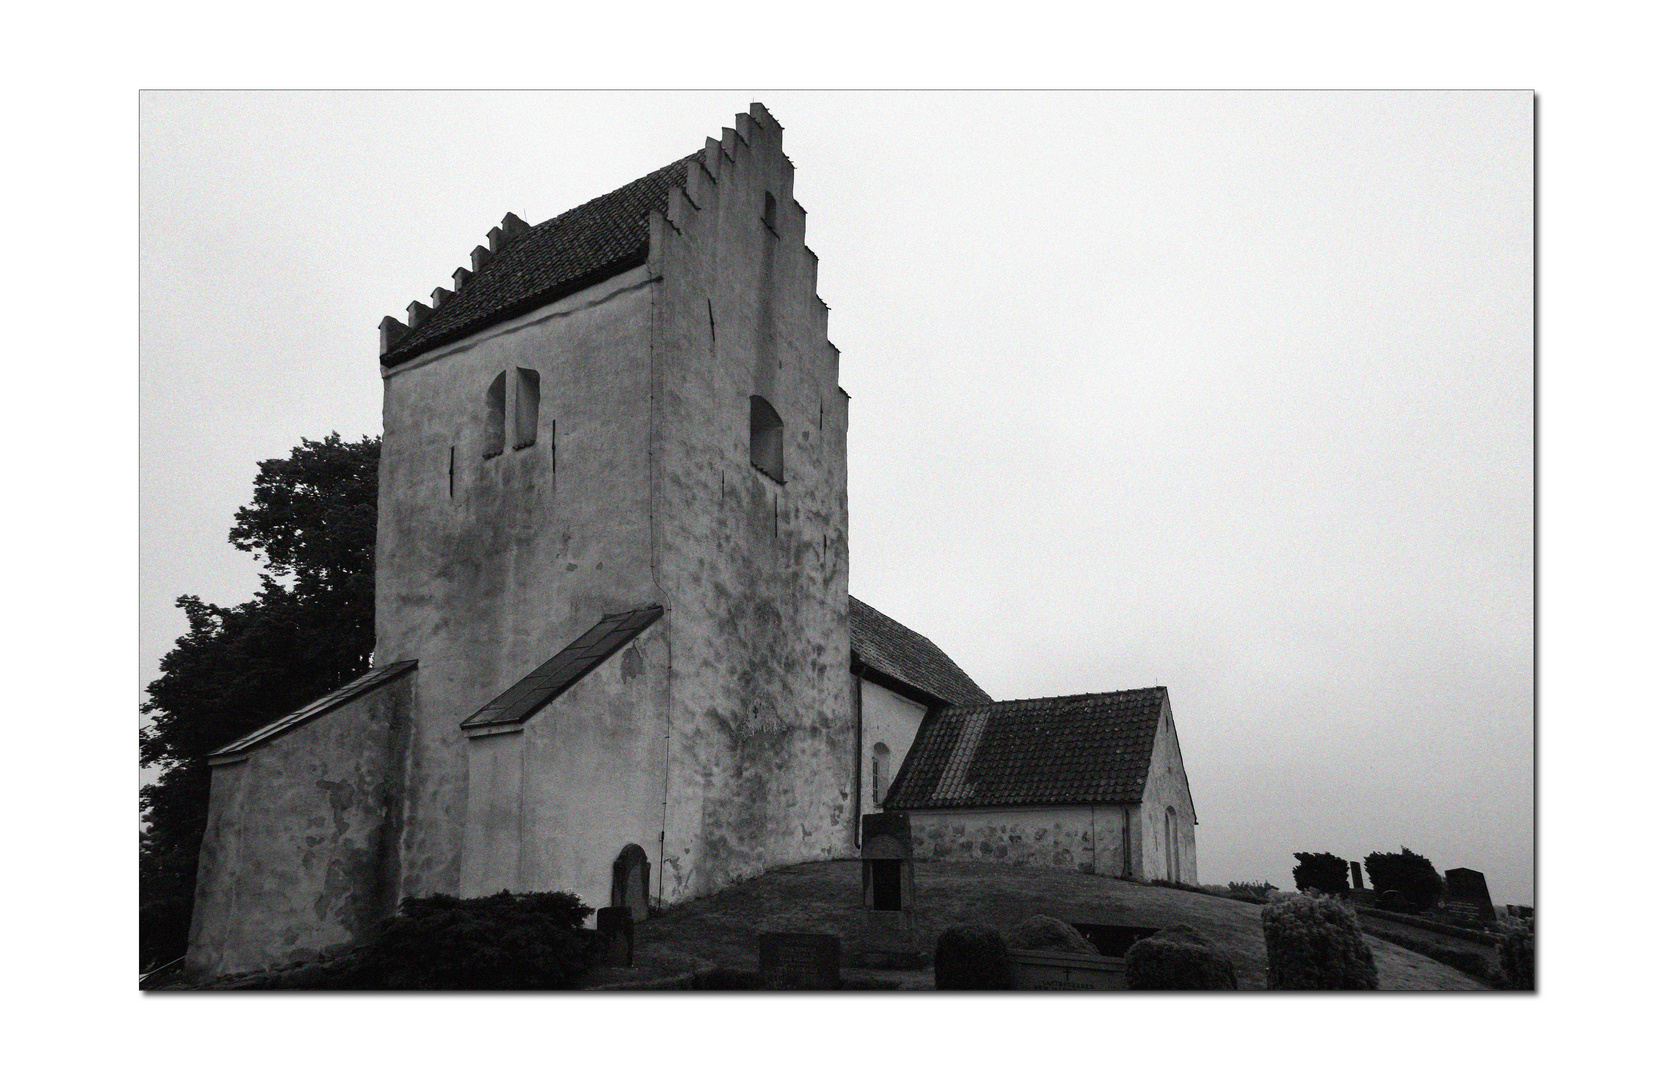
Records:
x=616, y=654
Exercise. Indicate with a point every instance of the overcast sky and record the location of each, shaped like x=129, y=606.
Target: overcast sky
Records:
x=1228, y=392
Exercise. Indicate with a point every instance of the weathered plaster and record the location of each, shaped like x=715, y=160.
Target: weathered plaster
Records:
x=1084, y=838
x=755, y=572
x=301, y=837
x=1165, y=787
x=530, y=548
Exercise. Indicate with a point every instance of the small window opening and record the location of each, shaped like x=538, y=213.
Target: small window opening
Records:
x=493, y=440
x=879, y=773
x=769, y=213
x=528, y=407
x=766, y=438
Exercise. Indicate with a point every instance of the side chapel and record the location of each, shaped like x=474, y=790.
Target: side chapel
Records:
x=616, y=651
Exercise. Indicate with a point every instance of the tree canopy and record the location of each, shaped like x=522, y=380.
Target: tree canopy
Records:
x=308, y=630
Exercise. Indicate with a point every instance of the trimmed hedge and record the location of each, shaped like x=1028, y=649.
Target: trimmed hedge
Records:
x=1408, y=873
x=527, y=941
x=1048, y=934
x=1314, y=943
x=1322, y=871
x=971, y=956
x=1178, y=958
x=1516, y=953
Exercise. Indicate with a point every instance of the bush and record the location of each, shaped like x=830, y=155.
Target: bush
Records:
x=528, y=941
x=1252, y=890
x=1314, y=943
x=1050, y=935
x=1516, y=953
x=971, y=956
x=1408, y=873
x=1322, y=871
x=1178, y=958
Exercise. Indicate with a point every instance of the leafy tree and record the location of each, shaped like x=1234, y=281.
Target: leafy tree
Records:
x=313, y=524
x=1408, y=873
x=1322, y=871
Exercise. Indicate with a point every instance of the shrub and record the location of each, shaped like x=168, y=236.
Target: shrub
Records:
x=1314, y=943
x=528, y=941
x=1252, y=890
x=1178, y=958
x=971, y=956
x=1516, y=953
x=1322, y=871
x=1408, y=873
x=1048, y=934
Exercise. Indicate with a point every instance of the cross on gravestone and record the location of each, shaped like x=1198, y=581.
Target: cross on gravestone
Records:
x=792, y=961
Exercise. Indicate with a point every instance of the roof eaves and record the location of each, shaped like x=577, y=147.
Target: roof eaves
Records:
x=349, y=691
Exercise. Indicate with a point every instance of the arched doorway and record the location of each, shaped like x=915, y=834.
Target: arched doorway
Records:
x=630, y=882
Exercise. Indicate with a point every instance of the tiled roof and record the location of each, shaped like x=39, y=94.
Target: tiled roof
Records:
x=1090, y=749
x=536, y=689
x=367, y=682
x=578, y=248
x=890, y=649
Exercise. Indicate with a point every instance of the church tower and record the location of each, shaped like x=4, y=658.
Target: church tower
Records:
x=629, y=410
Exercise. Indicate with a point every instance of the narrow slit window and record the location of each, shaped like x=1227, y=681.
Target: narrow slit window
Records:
x=769, y=212
x=528, y=407
x=766, y=438
x=879, y=773
x=493, y=435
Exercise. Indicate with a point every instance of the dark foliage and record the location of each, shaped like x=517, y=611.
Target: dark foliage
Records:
x=1178, y=958
x=313, y=521
x=527, y=941
x=1047, y=934
x=1253, y=891
x=1322, y=871
x=971, y=956
x=1315, y=943
x=1409, y=874
x=1516, y=953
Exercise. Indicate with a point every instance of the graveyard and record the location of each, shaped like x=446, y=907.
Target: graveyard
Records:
x=721, y=931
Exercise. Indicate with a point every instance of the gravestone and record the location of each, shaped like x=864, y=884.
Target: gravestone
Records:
x=616, y=925
x=1359, y=879
x=800, y=961
x=630, y=881
x=1467, y=898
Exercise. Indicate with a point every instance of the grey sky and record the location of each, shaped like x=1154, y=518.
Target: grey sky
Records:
x=1230, y=392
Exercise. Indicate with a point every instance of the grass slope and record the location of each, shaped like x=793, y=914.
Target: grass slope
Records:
x=825, y=898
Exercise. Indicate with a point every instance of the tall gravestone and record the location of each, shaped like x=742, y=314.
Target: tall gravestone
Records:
x=1467, y=898
x=1359, y=879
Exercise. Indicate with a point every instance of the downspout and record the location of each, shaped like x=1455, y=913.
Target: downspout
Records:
x=859, y=745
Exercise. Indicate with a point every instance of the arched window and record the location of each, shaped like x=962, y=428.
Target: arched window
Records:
x=528, y=407
x=493, y=438
x=766, y=438
x=879, y=773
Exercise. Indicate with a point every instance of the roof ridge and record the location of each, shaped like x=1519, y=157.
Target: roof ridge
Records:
x=1062, y=697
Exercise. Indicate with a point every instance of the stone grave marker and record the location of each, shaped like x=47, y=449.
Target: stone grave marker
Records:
x=791, y=961
x=1359, y=879
x=1466, y=896
x=616, y=924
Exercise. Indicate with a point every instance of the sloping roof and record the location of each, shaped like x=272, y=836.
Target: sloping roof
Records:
x=578, y=248
x=885, y=647
x=343, y=694
x=1089, y=749
x=536, y=689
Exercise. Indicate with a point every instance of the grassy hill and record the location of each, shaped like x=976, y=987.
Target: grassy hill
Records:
x=720, y=930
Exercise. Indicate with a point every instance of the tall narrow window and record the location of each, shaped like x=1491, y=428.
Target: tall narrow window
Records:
x=879, y=773
x=493, y=432
x=528, y=407
x=766, y=438
x=1170, y=838
x=769, y=213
